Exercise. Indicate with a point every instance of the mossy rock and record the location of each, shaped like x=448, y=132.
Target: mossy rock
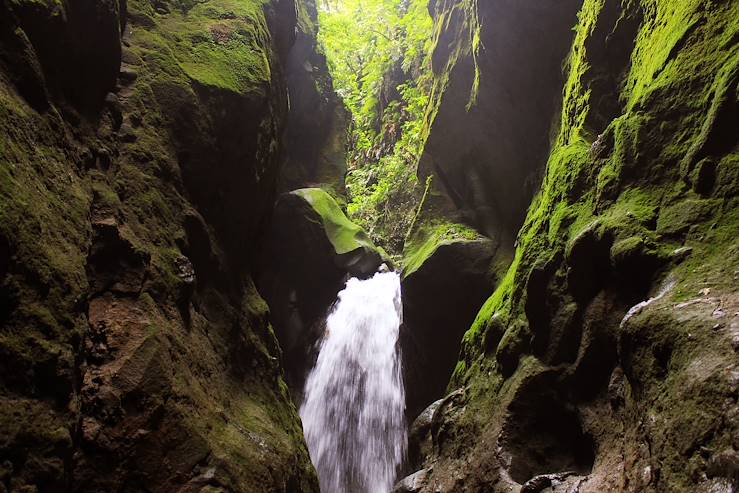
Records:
x=310, y=250
x=218, y=44
x=644, y=164
x=353, y=248
x=445, y=280
x=100, y=166
x=428, y=238
x=677, y=219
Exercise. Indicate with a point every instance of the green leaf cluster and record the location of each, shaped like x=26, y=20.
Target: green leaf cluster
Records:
x=377, y=52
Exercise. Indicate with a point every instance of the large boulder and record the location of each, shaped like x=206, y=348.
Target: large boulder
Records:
x=446, y=278
x=310, y=251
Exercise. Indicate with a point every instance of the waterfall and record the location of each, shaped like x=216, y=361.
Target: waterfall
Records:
x=353, y=412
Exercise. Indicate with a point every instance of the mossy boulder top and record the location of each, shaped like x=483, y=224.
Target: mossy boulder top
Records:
x=309, y=251
x=353, y=248
x=422, y=245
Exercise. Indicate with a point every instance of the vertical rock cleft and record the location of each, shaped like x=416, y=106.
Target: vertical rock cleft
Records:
x=497, y=80
x=315, y=137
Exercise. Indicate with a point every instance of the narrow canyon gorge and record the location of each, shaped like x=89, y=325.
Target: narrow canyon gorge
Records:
x=369, y=246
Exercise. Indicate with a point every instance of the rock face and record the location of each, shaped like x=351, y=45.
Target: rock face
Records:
x=606, y=359
x=69, y=50
x=135, y=351
x=310, y=251
x=142, y=143
x=498, y=78
x=315, y=139
x=444, y=283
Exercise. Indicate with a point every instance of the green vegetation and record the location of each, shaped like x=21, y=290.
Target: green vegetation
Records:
x=377, y=52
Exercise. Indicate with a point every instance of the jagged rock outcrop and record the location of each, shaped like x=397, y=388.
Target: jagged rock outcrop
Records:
x=606, y=360
x=310, y=251
x=135, y=351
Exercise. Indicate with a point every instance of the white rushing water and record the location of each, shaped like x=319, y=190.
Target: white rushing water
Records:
x=353, y=412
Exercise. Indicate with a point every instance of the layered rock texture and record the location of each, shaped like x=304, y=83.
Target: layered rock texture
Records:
x=139, y=149
x=606, y=360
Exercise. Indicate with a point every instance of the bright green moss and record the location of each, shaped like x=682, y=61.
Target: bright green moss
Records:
x=344, y=235
x=625, y=182
x=459, y=370
x=429, y=238
x=635, y=208
x=220, y=44
x=669, y=25
x=678, y=218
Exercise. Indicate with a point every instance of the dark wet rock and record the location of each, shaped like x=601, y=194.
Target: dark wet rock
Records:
x=704, y=176
x=512, y=346
x=588, y=260
x=725, y=464
x=635, y=261
x=114, y=264
x=412, y=483
x=594, y=346
x=494, y=331
x=77, y=45
x=540, y=306
x=420, y=443
x=127, y=75
x=540, y=483
x=439, y=304
x=617, y=388
x=309, y=252
x=17, y=52
x=543, y=433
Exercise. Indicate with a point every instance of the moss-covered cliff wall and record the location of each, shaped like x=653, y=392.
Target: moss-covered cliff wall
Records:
x=139, y=148
x=637, y=214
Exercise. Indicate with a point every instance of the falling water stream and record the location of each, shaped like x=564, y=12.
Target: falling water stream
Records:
x=353, y=412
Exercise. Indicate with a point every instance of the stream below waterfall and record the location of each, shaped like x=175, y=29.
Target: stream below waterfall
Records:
x=353, y=411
